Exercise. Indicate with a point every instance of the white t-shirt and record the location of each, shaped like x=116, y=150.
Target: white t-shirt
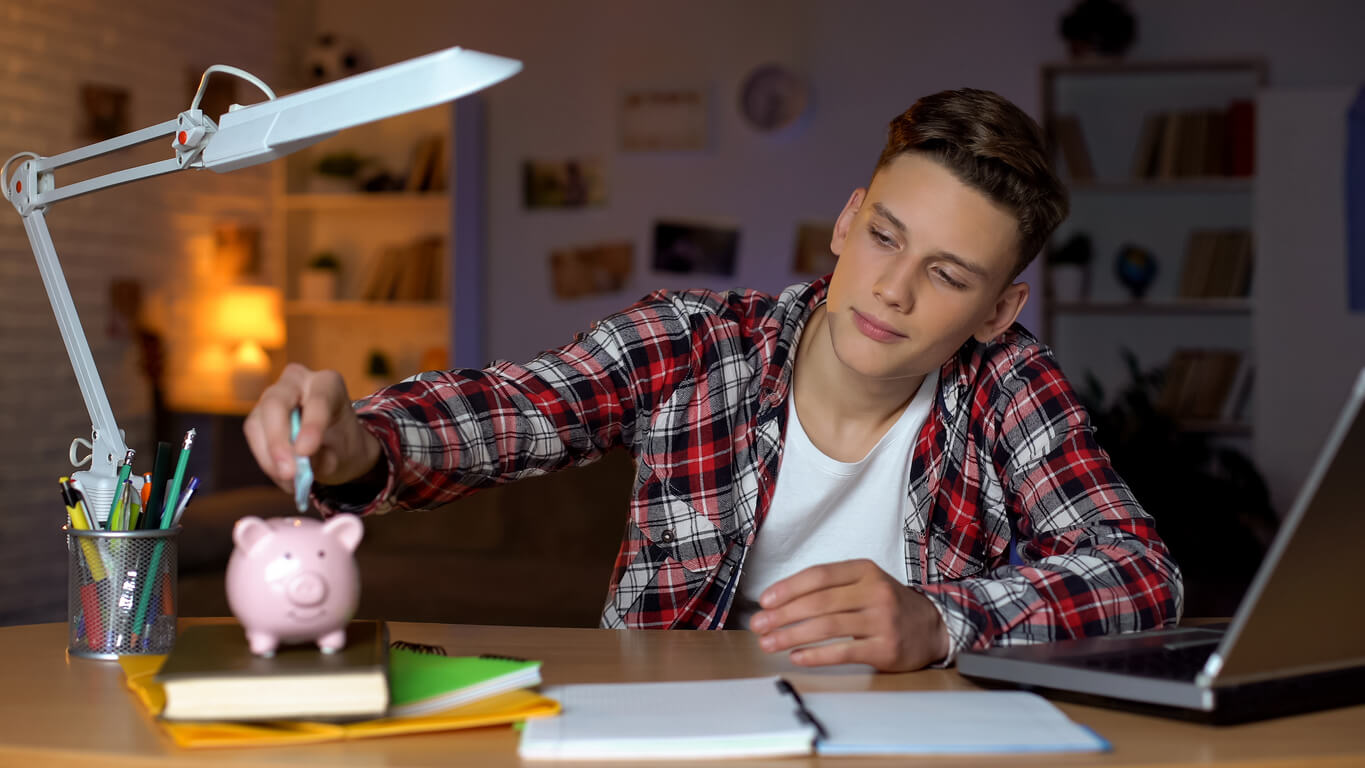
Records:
x=825, y=511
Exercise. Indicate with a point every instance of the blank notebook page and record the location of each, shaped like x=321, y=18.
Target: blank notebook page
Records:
x=946, y=722
x=706, y=718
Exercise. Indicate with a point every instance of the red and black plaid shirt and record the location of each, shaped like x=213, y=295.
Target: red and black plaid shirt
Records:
x=695, y=384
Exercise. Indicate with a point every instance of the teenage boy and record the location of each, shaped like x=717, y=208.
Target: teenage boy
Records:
x=847, y=467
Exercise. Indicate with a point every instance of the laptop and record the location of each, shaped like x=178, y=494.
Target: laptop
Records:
x=1295, y=644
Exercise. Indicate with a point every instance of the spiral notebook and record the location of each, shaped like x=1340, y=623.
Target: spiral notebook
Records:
x=765, y=717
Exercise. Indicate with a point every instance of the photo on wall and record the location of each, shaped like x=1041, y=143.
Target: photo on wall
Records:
x=569, y=183
x=591, y=269
x=812, y=255
x=663, y=119
x=695, y=248
x=104, y=111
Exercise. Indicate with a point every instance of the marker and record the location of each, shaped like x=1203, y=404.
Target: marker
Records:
x=173, y=492
x=78, y=521
x=303, y=468
x=123, y=473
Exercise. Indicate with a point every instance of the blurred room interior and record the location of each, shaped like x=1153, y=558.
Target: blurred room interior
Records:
x=1198, y=296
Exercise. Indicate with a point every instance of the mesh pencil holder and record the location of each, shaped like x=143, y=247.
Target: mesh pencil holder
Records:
x=121, y=592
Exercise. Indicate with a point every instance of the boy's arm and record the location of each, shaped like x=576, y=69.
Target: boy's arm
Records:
x=1094, y=563
x=445, y=434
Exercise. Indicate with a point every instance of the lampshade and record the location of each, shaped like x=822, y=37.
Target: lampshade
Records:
x=250, y=313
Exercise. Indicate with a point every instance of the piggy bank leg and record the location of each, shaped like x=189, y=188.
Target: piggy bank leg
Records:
x=262, y=643
x=333, y=641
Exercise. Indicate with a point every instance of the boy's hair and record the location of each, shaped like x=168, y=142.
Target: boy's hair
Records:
x=992, y=146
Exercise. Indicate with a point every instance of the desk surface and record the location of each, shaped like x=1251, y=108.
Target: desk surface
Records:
x=59, y=711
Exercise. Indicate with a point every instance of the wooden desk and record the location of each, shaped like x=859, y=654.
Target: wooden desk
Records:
x=60, y=712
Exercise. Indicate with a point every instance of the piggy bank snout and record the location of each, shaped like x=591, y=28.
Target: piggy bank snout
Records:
x=307, y=589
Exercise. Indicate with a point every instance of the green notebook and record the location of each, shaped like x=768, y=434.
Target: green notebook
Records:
x=422, y=683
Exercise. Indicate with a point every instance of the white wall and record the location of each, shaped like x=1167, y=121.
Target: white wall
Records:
x=1309, y=346
x=47, y=50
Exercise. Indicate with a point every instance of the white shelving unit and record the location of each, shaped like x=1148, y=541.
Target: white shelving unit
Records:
x=1111, y=102
x=313, y=215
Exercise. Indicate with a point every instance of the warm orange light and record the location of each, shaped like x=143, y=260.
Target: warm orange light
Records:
x=250, y=313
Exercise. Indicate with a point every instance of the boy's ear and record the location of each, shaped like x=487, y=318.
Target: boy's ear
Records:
x=844, y=224
x=1004, y=313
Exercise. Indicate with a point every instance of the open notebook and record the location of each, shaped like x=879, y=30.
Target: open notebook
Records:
x=764, y=717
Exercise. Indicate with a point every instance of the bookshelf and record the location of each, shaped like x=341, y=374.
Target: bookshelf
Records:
x=392, y=243
x=1158, y=155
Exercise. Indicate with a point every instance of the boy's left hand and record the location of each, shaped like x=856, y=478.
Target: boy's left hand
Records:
x=885, y=623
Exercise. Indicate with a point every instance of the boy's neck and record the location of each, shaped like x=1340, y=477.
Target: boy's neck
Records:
x=842, y=413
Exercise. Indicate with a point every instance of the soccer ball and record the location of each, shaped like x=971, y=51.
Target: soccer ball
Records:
x=330, y=57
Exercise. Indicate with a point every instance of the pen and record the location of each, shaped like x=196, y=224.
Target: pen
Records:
x=123, y=473
x=173, y=492
x=801, y=711
x=184, y=501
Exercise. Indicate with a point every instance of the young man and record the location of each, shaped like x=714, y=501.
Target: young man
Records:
x=845, y=467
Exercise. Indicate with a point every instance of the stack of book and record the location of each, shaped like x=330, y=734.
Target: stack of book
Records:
x=409, y=272
x=217, y=693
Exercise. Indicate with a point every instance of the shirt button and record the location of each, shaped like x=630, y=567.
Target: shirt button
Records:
x=667, y=536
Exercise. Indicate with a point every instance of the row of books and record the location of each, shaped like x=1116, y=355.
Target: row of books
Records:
x=410, y=272
x=1207, y=385
x=1200, y=142
x=1172, y=145
x=1218, y=263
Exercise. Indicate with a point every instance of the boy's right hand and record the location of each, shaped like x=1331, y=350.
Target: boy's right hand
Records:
x=330, y=434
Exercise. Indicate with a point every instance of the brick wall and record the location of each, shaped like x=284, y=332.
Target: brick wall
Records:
x=145, y=231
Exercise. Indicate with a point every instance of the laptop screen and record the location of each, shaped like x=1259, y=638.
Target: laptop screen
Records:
x=1305, y=610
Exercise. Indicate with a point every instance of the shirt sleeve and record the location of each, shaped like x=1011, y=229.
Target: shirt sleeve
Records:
x=1093, y=562
x=444, y=434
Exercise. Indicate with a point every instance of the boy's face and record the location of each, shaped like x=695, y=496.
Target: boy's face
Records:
x=925, y=262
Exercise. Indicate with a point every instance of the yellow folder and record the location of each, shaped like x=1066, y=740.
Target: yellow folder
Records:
x=510, y=707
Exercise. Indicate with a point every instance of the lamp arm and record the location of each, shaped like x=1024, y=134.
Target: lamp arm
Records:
x=33, y=187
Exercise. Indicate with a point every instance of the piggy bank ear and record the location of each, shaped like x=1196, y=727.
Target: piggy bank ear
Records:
x=346, y=529
x=250, y=531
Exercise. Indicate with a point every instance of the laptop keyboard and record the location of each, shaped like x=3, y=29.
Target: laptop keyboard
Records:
x=1180, y=663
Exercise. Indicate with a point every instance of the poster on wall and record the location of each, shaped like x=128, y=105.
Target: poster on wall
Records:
x=812, y=255
x=104, y=111
x=591, y=269
x=569, y=183
x=663, y=119
x=695, y=248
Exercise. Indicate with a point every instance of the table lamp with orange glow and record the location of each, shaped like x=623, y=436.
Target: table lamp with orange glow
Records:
x=243, y=136
x=249, y=319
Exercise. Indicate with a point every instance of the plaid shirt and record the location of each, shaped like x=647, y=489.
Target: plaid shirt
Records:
x=695, y=384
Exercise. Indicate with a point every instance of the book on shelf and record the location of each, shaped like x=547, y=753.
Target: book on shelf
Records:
x=1196, y=143
x=410, y=272
x=1218, y=264
x=211, y=674
x=1070, y=139
x=427, y=171
x=1198, y=382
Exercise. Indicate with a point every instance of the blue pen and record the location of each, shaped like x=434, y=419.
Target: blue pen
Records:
x=184, y=501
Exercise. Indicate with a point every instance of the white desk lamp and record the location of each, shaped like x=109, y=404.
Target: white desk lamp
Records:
x=244, y=136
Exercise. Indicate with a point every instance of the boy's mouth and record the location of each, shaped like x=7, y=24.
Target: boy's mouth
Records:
x=875, y=330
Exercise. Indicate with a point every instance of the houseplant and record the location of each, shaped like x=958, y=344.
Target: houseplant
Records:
x=1211, y=504
x=320, y=277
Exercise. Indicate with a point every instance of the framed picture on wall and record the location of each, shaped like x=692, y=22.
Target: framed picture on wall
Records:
x=569, y=183
x=591, y=269
x=104, y=111
x=663, y=119
x=687, y=248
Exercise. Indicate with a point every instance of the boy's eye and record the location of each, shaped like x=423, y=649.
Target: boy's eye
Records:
x=880, y=237
x=947, y=278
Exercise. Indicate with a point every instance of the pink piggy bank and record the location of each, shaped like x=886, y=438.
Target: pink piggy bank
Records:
x=294, y=579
